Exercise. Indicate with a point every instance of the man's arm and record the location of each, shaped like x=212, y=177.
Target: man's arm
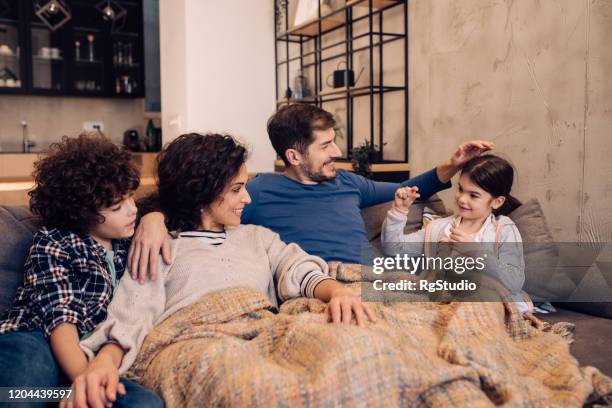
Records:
x=429, y=183
x=376, y=192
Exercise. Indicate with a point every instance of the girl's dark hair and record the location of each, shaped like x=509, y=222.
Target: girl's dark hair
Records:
x=193, y=170
x=494, y=175
x=77, y=178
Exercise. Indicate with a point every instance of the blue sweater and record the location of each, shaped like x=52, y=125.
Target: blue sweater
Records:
x=325, y=218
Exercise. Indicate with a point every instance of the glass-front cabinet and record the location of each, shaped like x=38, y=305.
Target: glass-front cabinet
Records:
x=71, y=47
x=11, y=46
x=48, y=69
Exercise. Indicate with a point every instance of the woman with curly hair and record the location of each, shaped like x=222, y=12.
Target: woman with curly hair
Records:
x=202, y=189
x=83, y=197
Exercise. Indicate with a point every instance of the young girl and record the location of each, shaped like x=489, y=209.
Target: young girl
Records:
x=483, y=200
x=83, y=196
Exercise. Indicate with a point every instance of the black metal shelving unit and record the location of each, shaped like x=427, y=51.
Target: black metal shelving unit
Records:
x=315, y=31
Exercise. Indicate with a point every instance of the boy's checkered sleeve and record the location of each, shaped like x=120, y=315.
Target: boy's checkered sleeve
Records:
x=56, y=287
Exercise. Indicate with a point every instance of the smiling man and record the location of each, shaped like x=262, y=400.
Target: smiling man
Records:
x=312, y=203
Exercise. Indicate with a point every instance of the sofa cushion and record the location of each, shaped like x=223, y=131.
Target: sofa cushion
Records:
x=542, y=282
x=17, y=227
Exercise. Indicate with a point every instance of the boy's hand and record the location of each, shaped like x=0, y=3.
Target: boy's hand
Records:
x=405, y=196
x=343, y=304
x=150, y=238
x=96, y=387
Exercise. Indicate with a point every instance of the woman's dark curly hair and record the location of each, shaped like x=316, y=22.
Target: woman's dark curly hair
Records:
x=77, y=178
x=193, y=170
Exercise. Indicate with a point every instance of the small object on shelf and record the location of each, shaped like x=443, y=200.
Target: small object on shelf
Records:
x=343, y=77
x=363, y=156
x=288, y=93
x=127, y=84
x=77, y=50
x=117, y=85
x=308, y=10
x=6, y=50
x=302, y=89
x=90, y=38
x=128, y=53
x=119, y=53
x=44, y=52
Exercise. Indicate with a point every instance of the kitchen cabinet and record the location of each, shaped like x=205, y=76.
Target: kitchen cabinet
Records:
x=87, y=56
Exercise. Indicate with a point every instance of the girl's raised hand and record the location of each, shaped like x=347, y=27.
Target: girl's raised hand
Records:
x=405, y=196
x=457, y=235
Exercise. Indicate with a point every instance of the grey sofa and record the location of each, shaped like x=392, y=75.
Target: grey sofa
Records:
x=593, y=335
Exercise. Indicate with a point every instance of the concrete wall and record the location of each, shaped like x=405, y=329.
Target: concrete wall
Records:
x=533, y=76
x=217, y=68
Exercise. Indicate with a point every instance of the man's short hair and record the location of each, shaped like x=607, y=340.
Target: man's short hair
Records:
x=292, y=126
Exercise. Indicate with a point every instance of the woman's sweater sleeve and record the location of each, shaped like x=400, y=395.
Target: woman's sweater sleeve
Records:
x=296, y=273
x=131, y=315
x=393, y=239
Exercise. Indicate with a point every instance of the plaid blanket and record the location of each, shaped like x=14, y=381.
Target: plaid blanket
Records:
x=231, y=349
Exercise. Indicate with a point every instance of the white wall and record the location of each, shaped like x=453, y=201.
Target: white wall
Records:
x=217, y=71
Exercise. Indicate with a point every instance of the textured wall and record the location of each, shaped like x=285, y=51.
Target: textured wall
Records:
x=531, y=75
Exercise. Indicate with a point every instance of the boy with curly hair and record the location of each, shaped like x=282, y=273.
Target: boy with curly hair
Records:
x=83, y=196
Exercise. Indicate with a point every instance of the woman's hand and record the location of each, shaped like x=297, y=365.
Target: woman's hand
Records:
x=343, y=304
x=97, y=386
x=405, y=196
x=150, y=238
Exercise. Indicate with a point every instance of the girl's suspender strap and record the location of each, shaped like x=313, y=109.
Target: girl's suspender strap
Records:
x=498, y=231
x=427, y=239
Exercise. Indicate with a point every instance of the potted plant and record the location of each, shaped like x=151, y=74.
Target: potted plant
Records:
x=363, y=156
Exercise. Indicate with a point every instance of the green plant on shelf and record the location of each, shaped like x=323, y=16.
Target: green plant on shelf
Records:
x=363, y=156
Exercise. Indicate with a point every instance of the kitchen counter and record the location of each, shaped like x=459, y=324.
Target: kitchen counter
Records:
x=16, y=176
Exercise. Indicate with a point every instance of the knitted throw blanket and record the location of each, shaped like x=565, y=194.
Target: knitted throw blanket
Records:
x=229, y=349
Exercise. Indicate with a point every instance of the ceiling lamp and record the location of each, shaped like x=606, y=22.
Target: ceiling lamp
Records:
x=54, y=13
x=113, y=12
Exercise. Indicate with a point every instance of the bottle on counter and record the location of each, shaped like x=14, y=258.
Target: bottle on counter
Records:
x=150, y=137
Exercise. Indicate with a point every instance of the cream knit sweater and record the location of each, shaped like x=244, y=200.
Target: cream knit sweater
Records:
x=251, y=256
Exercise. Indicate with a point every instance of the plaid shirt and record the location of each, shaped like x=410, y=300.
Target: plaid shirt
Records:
x=66, y=281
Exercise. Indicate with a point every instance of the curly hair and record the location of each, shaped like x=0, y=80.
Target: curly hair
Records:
x=77, y=178
x=193, y=170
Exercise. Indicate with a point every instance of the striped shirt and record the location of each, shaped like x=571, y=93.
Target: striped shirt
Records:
x=210, y=237
x=67, y=280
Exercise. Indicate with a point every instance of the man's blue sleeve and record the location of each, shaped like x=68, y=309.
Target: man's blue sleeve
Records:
x=376, y=192
x=249, y=210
